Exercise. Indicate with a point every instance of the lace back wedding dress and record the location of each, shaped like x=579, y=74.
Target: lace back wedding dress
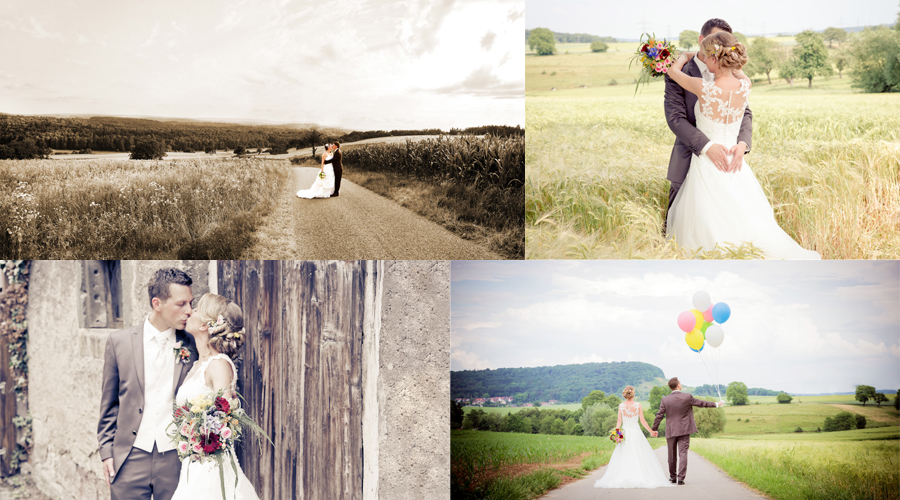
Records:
x=714, y=207
x=321, y=188
x=633, y=463
x=201, y=481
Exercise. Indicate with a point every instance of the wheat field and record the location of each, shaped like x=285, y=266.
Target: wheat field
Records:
x=828, y=160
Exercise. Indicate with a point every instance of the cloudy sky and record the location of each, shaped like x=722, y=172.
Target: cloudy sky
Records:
x=665, y=18
x=802, y=327
x=359, y=64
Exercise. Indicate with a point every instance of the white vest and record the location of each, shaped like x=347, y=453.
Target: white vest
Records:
x=159, y=377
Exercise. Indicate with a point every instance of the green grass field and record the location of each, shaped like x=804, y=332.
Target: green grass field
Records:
x=794, y=468
x=828, y=159
x=776, y=418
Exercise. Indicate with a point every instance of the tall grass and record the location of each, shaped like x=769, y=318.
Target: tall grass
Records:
x=596, y=186
x=788, y=470
x=478, y=458
x=479, y=181
x=103, y=209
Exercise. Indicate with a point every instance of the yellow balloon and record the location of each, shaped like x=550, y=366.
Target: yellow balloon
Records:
x=694, y=339
x=699, y=315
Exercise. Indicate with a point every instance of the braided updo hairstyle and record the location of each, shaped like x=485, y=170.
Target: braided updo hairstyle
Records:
x=726, y=48
x=628, y=392
x=226, y=337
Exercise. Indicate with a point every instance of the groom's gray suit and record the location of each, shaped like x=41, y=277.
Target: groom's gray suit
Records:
x=679, y=109
x=679, y=412
x=121, y=410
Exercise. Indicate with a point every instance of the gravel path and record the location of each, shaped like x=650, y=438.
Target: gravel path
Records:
x=703, y=481
x=358, y=224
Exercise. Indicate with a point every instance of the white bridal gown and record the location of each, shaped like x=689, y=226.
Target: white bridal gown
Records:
x=633, y=463
x=321, y=188
x=726, y=207
x=204, y=483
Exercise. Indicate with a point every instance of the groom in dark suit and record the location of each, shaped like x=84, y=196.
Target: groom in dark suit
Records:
x=679, y=109
x=338, y=168
x=678, y=410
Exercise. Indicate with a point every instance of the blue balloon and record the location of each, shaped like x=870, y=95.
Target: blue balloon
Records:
x=721, y=312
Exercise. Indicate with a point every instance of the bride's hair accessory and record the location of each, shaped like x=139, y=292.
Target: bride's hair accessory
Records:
x=216, y=326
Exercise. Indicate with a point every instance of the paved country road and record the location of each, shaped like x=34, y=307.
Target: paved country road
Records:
x=704, y=481
x=358, y=224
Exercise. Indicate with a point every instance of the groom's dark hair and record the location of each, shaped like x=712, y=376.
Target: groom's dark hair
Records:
x=673, y=383
x=162, y=278
x=714, y=23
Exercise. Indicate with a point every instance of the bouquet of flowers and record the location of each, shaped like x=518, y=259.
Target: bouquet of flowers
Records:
x=321, y=175
x=655, y=57
x=208, y=426
x=616, y=436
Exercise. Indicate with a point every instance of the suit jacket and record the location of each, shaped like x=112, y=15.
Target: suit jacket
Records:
x=679, y=109
x=678, y=408
x=336, y=161
x=122, y=395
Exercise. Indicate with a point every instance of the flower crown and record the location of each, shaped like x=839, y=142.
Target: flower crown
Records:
x=219, y=325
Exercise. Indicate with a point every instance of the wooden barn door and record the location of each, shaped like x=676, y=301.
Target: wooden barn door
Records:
x=300, y=373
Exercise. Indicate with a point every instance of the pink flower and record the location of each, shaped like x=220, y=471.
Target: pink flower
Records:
x=665, y=70
x=182, y=447
x=194, y=439
x=185, y=430
x=226, y=433
x=197, y=448
x=659, y=45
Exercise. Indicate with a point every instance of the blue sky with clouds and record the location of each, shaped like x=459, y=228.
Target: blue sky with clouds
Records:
x=360, y=64
x=665, y=18
x=803, y=327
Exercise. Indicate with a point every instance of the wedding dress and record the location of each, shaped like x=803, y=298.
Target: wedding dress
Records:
x=726, y=207
x=633, y=463
x=201, y=481
x=321, y=188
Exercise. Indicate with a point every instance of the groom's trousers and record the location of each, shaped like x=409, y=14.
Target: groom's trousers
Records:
x=673, y=190
x=678, y=447
x=144, y=474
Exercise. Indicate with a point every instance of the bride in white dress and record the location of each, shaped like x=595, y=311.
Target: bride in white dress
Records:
x=633, y=463
x=213, y=371
x=323, y=187
x=714, y=206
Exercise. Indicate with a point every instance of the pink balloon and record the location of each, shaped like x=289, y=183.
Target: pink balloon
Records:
x=687, y=321
x=707, y=316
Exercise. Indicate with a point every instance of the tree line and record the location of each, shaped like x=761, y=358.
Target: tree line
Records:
x=597, y=416
x=564, y=383
x=25, y=137
x=573, y=37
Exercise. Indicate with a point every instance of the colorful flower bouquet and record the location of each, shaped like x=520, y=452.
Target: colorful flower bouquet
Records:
x=616, y=436
x=655, y=57
x=208, y=426
x=321, y=175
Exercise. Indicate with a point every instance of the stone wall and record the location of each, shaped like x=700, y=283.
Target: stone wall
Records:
x=65, y=367
x=414, y=381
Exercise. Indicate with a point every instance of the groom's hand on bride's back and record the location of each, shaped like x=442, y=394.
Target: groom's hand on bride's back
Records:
x=718, y=155
x=109, y=470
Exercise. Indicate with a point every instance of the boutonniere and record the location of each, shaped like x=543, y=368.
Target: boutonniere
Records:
x=182, y=353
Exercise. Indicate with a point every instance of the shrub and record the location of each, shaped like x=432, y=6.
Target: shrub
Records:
x=860, y=422
x=148, y=149
x=798, y=430
x=239, y=150
x=843, y=421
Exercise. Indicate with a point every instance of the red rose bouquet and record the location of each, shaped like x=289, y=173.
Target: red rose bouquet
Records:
x=655, y=57
x=616, y=436
x=208, y=426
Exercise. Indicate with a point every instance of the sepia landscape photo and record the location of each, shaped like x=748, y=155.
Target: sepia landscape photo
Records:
x=276, y=129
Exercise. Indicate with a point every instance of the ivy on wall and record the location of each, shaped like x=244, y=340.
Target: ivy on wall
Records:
x=14, y=332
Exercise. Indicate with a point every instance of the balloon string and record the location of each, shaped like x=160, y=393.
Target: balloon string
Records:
x=710, y=375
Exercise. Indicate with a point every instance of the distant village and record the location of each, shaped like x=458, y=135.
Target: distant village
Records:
x=500, y=401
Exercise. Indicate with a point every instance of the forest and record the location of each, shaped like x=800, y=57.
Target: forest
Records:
x=564, y=383
x=105, y=133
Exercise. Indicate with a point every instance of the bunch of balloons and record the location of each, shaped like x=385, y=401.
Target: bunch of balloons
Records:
x=703, y=322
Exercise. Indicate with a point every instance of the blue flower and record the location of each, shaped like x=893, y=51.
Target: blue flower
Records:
x=653, y=52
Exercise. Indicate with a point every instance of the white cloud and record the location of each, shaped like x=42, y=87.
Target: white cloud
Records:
x=486, y=324
x=152, y=38
x=36, y=30
x=468, y=361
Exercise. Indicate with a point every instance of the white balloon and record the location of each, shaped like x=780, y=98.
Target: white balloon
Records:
x=715, y=335
x=701, y=301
